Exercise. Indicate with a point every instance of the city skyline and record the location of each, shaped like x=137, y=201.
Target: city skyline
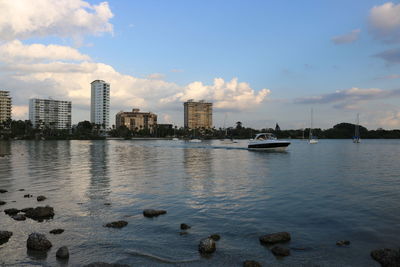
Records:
x=260, y=64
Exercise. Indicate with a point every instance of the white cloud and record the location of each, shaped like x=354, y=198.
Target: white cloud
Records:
x=16, y=51
x=391, y=119
x=23, y=19
x=156, y=76
x=347, y=38
x=230, y=95
x=385, y=22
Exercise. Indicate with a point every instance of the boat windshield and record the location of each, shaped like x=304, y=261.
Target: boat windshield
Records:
x=265, y=136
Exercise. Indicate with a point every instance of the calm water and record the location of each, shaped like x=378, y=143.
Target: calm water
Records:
x=319, y=193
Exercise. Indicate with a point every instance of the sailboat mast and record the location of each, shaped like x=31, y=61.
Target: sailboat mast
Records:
x=310, y=137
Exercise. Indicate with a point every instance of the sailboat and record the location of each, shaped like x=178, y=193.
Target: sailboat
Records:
x=194, y=139
x=356, y=137
x=311, y=138
x=227, y=140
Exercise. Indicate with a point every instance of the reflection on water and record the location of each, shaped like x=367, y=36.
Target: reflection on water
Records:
x=334, y=190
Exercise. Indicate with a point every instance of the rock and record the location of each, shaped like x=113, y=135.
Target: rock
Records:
x=27, y=196
x=41, y=198
x=26, y=209
x=105, y=264
x=62, y=253
x=117, y=224
x=207, y=245
x=21, y=189
x=342, y=243
x=387, y=257
x=11, y=211
x=2, y=191
x=184, y=226
x=37, y=241
x=107, y=204
x=153, y=213
x=5, y=236
x=19, y=217
x=40, y=213
x=215, y=237
x=280, y=251
x=2, y=203
x=251, y=264
x=57, y=231
x=275, y=238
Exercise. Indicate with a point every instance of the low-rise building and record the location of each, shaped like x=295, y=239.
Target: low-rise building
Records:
x=136, y=120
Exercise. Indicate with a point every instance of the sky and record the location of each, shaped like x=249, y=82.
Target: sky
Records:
x=260, y=62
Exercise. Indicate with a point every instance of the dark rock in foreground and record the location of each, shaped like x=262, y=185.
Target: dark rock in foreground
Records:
x=41, y=198
x=40, y=213
x=275, y=238
x=342, y=243
x=2, y=203
x=5, y=236
x=153, y=213
x=62, y=253
x=105, y=264
x=27, y=196
x=117, y=224
x=215, y=237
x=387, y=257
x=57, y=231
x=251, y=264
x=11, y=211
x=207, y=245
x=280, y=251
x=26, y=209
x=19, y=217
x=185, y=226
x=2, y=191
x=37, y=241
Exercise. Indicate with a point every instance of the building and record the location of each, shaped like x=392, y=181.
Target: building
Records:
x=197, y=114
x=55, y=114
x=5, y=106
x=100, y=103
x=136, y=120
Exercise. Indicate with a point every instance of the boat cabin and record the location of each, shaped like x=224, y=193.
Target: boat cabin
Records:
x=265, y=136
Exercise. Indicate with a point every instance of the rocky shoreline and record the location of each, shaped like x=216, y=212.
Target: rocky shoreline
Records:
x=277, y=243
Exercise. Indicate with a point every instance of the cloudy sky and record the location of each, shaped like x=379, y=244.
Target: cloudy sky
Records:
x=258, y=61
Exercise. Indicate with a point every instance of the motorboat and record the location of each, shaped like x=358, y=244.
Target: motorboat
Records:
x=195, y=140
x=175, y=139
x=267, y=141
x=228, y=141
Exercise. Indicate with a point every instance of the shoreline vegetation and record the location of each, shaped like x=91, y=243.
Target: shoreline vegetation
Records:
x=23, y=130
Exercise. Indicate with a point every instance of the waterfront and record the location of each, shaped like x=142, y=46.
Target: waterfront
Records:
x=319, y=193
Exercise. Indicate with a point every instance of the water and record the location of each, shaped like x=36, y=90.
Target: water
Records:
x=319, y=193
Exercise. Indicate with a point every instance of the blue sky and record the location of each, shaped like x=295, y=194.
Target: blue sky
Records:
x=301, y=51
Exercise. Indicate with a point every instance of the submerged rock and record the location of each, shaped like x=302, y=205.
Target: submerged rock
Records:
x=153, y=213
x=207, y=245
x=280, y=251
x=19, y=217
x=11, y=211
x=5, y=236
x=2, y=191
x=40, y=213
x=62, y=253
x=41, y=198
x=26, y=209
x=37, y=241
x=275, y=238
x=2, y=203
x=387, y=257
x=215, y=237
x=185, y=226
x=21, y=189
x=27, y=196
x=57, y=231
x=251, y=264
x=105, y=264
x=342, y=243
x=117, y=224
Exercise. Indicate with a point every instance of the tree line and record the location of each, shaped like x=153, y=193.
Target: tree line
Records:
x=85, y=130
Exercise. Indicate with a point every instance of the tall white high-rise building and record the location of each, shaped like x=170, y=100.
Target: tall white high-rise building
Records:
x=100, y=103
x=55, y=114
x=5, y=106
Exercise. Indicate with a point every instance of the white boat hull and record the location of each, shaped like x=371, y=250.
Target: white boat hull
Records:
x=313, y=141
